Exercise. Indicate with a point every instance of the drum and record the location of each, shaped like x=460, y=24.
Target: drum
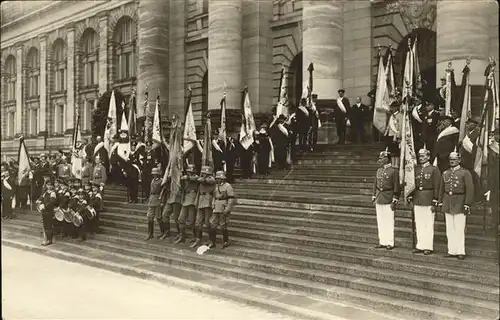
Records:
x=68, y=215
x=91, y=212
x=40, y=207
x=77, y=220
x=59, y=214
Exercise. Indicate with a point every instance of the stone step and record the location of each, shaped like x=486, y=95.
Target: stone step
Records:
x=320, y=184
x=312, y=226
x=326, y=247
x=292, y=277
x=282, y=301
x=342, y=160
x=479, y=216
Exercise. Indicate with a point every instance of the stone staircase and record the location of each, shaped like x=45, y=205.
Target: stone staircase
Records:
x=302, y=243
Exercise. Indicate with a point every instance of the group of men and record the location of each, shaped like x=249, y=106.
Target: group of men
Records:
x=69, y=208
x=196, y=201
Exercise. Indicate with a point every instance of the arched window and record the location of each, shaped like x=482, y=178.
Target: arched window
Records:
x=90, y=58
x=124, y=37
x=33, y=72
x=10, y=76
x=59, y=65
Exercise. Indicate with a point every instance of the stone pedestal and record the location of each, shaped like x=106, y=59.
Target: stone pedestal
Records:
x=19, y=90
x=103, y=52
x=322, y=45
x=70, y=102
x=152, y=48
x=42, y=115
x=224, y=53
x=257, y=45
x=462, y=31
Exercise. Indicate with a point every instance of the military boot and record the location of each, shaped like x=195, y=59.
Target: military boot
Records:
x=181, y=237
x=162, y=229
x=197, y=242
x=225, y=238
x=166, y=230
x=151, y=226
x=178, y=231
x=45, y=241
x=212, y=236
x=50, y=237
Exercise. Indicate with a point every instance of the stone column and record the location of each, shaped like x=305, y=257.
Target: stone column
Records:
x=153, y=48
x=42, y=116
x=462, y=31
x=257, y=44
x=70, y=99
x=323, y=23
x=224, y=53
x=103, y=52
x=19, y=89
x=177, y=57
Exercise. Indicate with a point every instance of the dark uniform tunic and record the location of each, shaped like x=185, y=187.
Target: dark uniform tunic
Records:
x=456, y=190
x=386, y=185
x=427, y=179
x=205, y=196
x=223, y=203
x=154, y=203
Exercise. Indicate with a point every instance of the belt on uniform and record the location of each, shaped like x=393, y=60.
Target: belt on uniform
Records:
x=382, y=190
x=454, y=194
x=422, y=189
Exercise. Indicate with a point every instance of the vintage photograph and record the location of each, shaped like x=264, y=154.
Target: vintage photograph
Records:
x=250, y=159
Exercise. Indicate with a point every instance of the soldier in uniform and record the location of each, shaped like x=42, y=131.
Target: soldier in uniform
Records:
x=223, y=202
x=205, y=194
x=64, y=169
x=47, y=203
x=86, y=171
x=154, y=203
x=97, y=203
x=99, y=175
x=146, y=174
x=456, y=194
x=188, y=211
x=425, y=200
x=385, y=197
x=172, y=208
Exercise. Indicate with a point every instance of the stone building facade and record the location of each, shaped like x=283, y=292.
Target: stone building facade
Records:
x=57, y=56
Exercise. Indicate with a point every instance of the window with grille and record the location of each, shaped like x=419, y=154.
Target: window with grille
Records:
x=10, y=77
x=90, y=58
x=59, y=50
x=33, y=72
x=125, y=49
x=59, y=118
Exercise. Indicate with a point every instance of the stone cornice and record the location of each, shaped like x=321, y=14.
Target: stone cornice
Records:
x=103, y=15
x=70, y=26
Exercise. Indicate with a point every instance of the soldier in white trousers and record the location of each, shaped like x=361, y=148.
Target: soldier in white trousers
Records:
x=385, y=196
x=456, y=194
x=425, y=201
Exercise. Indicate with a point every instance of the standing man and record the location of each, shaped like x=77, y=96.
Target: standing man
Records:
x=441, y=94
x=223, y=202
x=446, y=141
x=205, y=197
x=172, y=210
x=154, y=203
x=417, y=121
x=425, y=200
x=188, y=211
x=456, y=194
x=218, y=152
x=86, y=171
x=340, y=112
x=47, y=204
x=7, y=192
x=357, y=115
x=303, y=124
x=64, y=169
x=385, y=197
x=429, y=127
x=99, y=174
x=315, y=123
x=230, y=157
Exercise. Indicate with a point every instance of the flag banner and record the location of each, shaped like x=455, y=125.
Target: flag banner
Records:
x=189, y=128
x=408, y=72
x=175, y=163
x=381, y=99
x=248, y=123
x=389, y=74
x=410, y=159
x=282, y=107
x=222, y=130
x=206, y=158
x=466, y=107
x=77, y=152
x=124, y=141
x=146, y=125
x=417, y=77
x=132, y=115
x=110, y=131
x=23, y=159
x=157, y=136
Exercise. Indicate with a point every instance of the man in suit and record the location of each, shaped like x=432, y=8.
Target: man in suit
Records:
x=303, y=124
x=385, y=196
x=417, y=121
x=315, y=123
x=358, y=114
x=429, y=127
x=456, y=195
x=441, y=94
x=341, y=111
x=7, y=192
x=446, y=141
x=425, y=201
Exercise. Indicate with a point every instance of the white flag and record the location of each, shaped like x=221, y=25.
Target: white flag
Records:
x=24, y=168
x=156, y=123
x=189, y=129
x=77, y=157
x=110, y=131
x=124, y=142
x=248, y=125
